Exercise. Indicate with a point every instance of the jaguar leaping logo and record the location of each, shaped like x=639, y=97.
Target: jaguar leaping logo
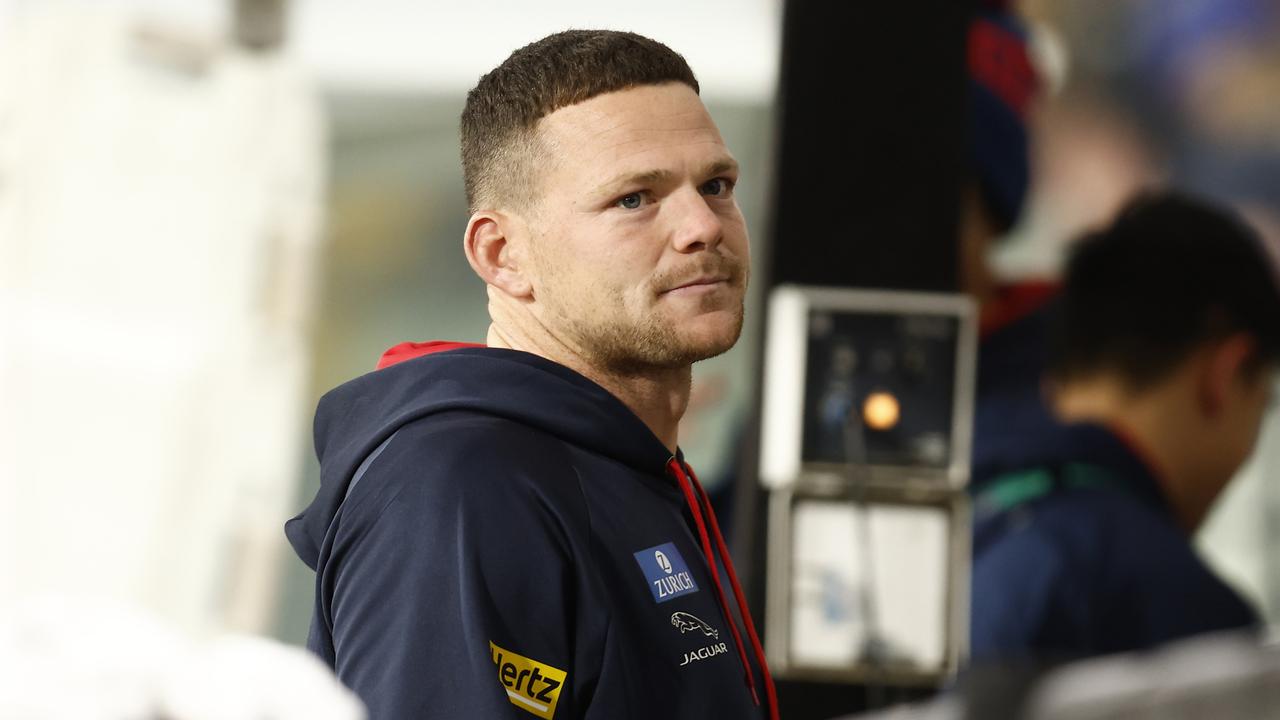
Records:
x=689, y=623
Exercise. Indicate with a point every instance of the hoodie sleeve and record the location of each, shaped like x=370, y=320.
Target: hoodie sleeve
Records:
x=452, y=580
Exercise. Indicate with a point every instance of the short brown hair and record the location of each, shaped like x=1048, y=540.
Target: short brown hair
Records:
x=498, y=143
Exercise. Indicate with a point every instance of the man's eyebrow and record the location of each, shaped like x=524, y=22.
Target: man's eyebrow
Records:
x=652, y=177
x=720, y=167
x=648, y=177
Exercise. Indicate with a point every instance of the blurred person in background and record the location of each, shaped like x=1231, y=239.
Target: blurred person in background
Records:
x=1003, y=85
x=512, y=529
x=162, y=221
x=1162, y=363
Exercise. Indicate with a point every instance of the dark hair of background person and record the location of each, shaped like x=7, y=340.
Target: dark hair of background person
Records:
x=499, y=147
x=1170, y=274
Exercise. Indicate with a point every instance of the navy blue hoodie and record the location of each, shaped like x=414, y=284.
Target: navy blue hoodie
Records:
x=1089, y=567
x=495, y=536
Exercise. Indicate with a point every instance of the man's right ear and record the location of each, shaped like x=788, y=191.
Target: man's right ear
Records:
x=1224, y=371
x=495, y=255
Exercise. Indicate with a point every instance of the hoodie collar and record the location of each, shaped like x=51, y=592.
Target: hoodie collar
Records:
x=1089, y=443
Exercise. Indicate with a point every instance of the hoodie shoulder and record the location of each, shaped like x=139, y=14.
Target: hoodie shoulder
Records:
x=530, y=403
x=470, y=463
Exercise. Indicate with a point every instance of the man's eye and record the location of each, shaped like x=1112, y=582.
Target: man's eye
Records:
x=718, y=186
x=631, y=202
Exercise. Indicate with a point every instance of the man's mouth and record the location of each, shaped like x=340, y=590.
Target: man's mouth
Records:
x=700, y=284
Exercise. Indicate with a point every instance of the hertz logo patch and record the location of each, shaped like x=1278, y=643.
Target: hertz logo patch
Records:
x=529, y=684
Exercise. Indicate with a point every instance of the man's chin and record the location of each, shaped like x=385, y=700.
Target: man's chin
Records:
x=669, y=342
x=676, y=351
x=705, y=340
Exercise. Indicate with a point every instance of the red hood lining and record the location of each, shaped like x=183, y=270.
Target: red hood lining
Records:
x=410, y=350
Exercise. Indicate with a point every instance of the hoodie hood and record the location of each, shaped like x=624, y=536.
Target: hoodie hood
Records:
x=419, y=380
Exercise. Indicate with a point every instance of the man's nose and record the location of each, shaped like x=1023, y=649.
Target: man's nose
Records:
x=695, y=225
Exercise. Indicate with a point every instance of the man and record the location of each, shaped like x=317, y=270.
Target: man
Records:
x=511, y=530
x=1162, y=363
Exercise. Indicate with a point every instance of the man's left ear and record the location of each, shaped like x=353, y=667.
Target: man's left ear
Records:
x=1226, y=365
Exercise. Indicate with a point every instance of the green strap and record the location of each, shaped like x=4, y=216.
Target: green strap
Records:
x=1018, y=488
x=1011, y=490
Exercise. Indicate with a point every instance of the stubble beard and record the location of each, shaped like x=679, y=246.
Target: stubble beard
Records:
x=620, y=342
x=652, y=344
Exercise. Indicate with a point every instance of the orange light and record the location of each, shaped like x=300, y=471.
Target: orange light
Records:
x=880, y=411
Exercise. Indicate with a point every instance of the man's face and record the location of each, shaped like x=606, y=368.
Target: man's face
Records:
x=639, y=251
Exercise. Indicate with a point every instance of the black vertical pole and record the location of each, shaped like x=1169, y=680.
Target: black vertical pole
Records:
x=871, y=145
x=870, y=164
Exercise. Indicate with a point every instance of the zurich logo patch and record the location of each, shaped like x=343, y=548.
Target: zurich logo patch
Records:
x=666, y=572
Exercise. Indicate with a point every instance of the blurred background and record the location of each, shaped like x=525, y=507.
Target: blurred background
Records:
x=211, y=212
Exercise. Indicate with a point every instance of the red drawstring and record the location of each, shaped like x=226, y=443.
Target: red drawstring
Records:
x=770, y=691
x=695, y=507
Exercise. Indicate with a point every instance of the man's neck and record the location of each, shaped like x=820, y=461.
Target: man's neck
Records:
x=1156, y=426
x=657, y=396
